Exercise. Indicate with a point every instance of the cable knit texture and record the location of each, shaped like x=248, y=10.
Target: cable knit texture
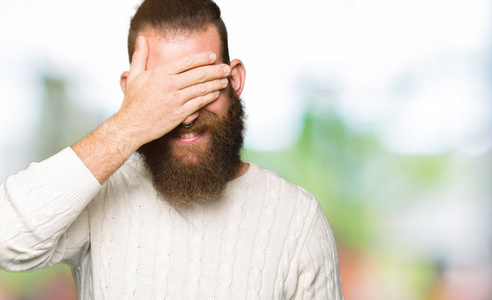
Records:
x=265, y=238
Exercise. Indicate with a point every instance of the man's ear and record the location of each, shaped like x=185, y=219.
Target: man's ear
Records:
x=123, y=78
x=238, y=76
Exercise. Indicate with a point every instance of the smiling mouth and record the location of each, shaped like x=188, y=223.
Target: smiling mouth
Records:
x=188, y=137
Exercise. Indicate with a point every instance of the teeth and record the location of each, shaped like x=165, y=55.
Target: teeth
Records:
x=188, y=135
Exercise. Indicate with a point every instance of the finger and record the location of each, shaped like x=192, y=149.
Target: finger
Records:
x=188, y=62
x=196, y=103
x=202, y=74
x=201, y=89
x=140, y=57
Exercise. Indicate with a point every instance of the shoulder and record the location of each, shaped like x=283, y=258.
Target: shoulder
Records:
x=315, y=250
x=291, y=203
x=295, y=201
x=287, y=192
x=309, y=252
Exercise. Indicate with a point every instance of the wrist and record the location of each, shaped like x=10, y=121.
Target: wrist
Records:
x=107, y=148
x=127, y=136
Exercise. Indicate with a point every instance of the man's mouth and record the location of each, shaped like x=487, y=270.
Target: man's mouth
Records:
x=188, y=137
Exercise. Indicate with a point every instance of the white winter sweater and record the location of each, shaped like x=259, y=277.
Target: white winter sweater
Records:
x=265, y=238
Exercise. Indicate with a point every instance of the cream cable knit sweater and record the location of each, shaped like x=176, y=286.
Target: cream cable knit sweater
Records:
x=265, y=238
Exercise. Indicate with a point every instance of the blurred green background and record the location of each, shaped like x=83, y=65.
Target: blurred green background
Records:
x=381, y=109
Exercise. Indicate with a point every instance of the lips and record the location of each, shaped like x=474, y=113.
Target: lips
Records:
x=188, y=137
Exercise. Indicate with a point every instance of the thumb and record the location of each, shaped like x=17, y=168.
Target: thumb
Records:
x=140, y=56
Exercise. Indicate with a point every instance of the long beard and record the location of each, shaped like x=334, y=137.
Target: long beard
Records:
x=189, y=174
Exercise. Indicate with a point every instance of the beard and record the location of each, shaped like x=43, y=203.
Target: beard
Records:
x=186, y=174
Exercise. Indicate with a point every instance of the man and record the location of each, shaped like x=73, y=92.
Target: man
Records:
x=187, y=218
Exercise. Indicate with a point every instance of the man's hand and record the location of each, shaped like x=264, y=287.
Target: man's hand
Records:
x=156, y=101
x=160, y=98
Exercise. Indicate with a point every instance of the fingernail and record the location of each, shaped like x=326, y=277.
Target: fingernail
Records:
x=227, y=69
x=213, y=57
x=140, y=41
x=216, y=93
x=224, y=81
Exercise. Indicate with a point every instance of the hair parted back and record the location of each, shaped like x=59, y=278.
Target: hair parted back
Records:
x=178, y=17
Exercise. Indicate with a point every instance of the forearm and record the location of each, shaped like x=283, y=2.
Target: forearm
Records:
x=107, y=148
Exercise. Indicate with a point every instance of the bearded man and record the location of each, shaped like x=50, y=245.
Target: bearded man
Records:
x=186, y=218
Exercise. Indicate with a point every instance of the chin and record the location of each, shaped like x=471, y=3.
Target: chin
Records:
x=190, y=159
x=190, y=154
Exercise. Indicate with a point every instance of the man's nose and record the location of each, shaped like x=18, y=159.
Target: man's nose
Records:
x=189, y=120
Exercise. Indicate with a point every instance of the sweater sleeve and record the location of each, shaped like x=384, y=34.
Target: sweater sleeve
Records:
x=319, y=273
x=43, y=219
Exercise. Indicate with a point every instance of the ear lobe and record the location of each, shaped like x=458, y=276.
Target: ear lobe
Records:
x=123, y=78
x=238, y=76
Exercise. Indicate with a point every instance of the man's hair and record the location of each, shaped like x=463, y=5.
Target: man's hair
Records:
x=171, y=17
